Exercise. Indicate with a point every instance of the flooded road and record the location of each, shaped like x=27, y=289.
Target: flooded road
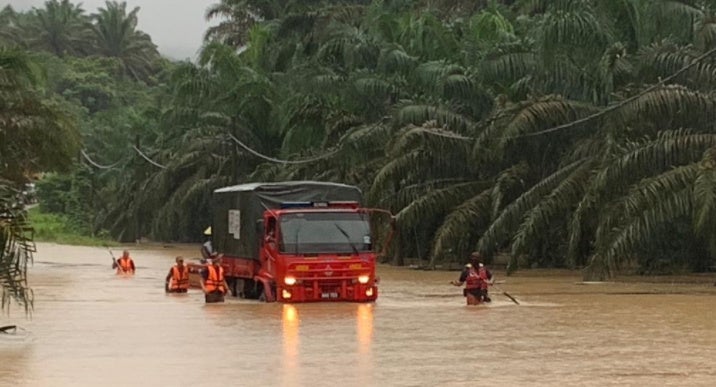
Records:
x=90, y=327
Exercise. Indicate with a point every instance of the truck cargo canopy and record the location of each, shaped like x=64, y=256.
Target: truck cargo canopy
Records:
x=237, y=209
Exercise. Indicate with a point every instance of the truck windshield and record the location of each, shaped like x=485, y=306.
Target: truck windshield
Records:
x=325, y=232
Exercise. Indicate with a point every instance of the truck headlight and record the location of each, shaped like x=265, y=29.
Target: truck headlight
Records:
x=363, y=279
x=289, y=281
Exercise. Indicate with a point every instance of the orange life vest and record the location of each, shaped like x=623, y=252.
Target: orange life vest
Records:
x=215, y=279
x=473, y=280
x=124, y=265
x=180, y=278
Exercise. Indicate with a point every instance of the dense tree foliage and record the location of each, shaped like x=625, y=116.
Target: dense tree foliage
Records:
x=566, y=133
x=37, y=134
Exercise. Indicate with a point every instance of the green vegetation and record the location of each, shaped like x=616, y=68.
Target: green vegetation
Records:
x=37, y=133
x=57, y=228
x=566, y=133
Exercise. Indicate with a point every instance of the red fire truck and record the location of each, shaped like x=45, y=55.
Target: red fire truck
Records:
x=297, y=241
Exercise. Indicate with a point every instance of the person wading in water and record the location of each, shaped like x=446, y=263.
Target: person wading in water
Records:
x=177, y=280
x=473, y=284
x=125, y=264
x=213, y=282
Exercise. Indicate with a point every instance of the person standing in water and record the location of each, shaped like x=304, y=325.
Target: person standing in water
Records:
x=484, y=273
x=213, y=282
x=207, y=249
x=177, y=280
x=125, y=264
x=473, y=284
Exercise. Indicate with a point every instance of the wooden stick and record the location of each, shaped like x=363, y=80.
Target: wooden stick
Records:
x=507, y=294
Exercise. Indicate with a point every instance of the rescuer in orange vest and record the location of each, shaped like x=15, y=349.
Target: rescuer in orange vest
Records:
x=473, y=284
x=125, y=264
x=177, y=280
x=213, y=282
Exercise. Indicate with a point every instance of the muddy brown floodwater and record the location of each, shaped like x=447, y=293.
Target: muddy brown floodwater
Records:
x=91, y=328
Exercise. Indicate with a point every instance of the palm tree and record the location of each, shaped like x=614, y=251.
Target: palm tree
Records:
x=534, y=190
x=116, y=36
x=8, y=26
x=237, y=18
x=60, y=28
x=37, y=133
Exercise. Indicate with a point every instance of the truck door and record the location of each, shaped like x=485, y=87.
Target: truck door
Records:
x=269, y=242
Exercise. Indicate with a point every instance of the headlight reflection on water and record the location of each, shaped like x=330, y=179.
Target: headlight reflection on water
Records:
x=290, y=333
x=315, y=316
x=364, y=321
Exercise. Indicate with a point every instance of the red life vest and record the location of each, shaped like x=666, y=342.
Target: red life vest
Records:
x=124, y=265
x=473, y=280
x=215, y=280
x=482, y=273
x=180, y=278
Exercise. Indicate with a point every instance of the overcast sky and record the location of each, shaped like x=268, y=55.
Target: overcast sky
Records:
x=176, y=26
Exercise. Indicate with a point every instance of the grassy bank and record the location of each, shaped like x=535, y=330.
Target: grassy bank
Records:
x=58, y=229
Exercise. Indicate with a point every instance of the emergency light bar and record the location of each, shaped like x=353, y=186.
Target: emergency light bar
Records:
x=348, y=204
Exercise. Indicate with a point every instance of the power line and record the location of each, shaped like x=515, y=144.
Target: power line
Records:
x=592, y=116
x=89, y=160
x=156, y=164
x=620, y=104
x=275, y=160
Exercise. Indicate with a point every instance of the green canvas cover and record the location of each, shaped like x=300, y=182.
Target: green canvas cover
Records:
x=238, y=209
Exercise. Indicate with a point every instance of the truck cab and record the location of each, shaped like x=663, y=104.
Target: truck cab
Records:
x=319, y=251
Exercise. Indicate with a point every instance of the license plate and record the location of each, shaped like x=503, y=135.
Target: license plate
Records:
x=329, y=295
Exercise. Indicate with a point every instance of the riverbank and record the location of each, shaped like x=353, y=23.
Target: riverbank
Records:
x=58, y=229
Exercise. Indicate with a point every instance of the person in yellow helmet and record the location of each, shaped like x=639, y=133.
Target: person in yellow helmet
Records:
x=207, y=250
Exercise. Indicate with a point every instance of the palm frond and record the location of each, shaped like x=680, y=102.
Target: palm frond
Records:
x=705, y=196
x=616, y=248
x=536, y=115
x=504, y=226
x=462, y=226
x=418, y=114
x=671, y=148
x=670, y=107
x=551, y=209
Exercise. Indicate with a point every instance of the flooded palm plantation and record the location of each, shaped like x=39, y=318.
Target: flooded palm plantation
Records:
x=90, y=327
